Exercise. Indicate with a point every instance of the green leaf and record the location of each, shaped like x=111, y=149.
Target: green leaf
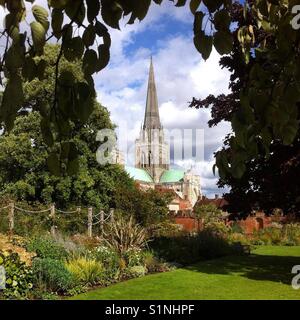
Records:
x=14, y=58
x=54, y=164
x=104, y=56
x=73, y=49
x=198, y=20
x=75, y=10
x=222, y=20
x=41, y=16
x=194, y=5
x=57, y=21
x=73, y=167
x=41, y=67
x=90, y=60
x=238, y=170
x=73, y=152
x=58, y=4
x=213, y=5
x=290, y=131
x=67, y=78
x=29, y=69
x=141, y=8
x=84, y=104
x=111, y=12
x=12, y=101
x=203, y=44
x=100, y=29
x=38, y=36
x=93, y=9
x=180, y=3
x=89, y=36
x=47, y=133
x=223, y=42
x=65, y=149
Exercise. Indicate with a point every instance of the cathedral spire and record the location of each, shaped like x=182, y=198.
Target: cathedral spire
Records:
x=151, y=120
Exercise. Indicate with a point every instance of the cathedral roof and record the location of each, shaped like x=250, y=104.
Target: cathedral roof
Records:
x=172, y=175
x=152, y=120
x=138, y=174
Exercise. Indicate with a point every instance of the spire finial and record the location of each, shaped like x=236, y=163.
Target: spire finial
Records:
x=151, y=113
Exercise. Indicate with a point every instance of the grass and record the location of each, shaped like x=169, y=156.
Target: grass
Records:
x=264, y=275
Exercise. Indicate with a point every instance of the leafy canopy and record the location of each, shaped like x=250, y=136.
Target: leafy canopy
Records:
x=268, y=179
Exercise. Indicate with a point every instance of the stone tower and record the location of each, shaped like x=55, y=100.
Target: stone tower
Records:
x=151, y=151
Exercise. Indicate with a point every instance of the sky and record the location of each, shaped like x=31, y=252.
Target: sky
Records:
x=166, y=34
x=181, y=74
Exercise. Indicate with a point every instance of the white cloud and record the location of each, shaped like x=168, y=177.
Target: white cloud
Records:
x=180, y=75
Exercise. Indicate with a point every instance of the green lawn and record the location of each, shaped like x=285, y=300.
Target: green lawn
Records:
x=266, y=274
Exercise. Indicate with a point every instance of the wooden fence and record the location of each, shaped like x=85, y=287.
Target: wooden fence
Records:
x=92, y=219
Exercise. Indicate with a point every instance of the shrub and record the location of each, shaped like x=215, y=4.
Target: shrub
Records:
x=207, y=212
x=53, y=275
x=218, y=228
x=165, y=229
x=136, y=271
x=291, y=233
x=236, y=228
x=271, y=235
x=238, y=237
x=15, y=245
x=152, y=263
x=86, y=271
x=110, y=261
x=47, y=248
x=188, y=249
x=18, y=276
x=86, y=242
x=124, y=235
x=133, y=257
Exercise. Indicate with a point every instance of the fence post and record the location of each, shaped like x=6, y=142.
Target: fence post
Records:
x=101, y=221
x=90, y=222
x=112, y=212
x=52, y=215
x=11, y=218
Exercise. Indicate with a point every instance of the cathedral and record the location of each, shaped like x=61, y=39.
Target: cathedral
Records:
x=152, y=158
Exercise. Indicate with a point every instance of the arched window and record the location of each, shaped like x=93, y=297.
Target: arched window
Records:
x=143, y=159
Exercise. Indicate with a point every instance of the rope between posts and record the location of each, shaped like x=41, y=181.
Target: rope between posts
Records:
x=5, y=207
x=109, y=216
x=30, y=211
x=97, y=215
x=66, y=212
x=95, y=223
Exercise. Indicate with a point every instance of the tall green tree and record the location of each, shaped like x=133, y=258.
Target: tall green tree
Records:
x=24, y=155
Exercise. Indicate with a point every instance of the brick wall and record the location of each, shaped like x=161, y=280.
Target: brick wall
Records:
x=249, y=225
x=188, y=224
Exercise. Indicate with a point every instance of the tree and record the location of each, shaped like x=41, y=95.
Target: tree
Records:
x=208, y=213
x=24, y=173
x=270, y=46
x=268, y=181
x=149, y=207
